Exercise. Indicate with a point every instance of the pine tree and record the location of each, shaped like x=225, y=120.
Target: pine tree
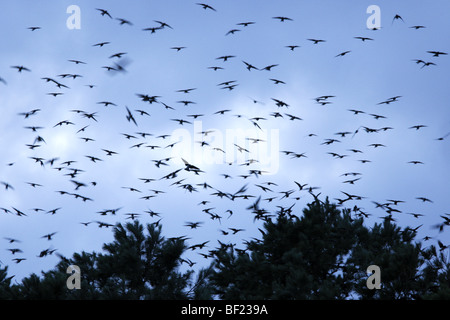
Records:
x=5, y=284
x=324, y=254
x=134, y=266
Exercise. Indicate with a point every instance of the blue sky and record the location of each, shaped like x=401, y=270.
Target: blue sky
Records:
x=372, y=72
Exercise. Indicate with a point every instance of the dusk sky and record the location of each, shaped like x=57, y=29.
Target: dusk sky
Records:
x=272, y=106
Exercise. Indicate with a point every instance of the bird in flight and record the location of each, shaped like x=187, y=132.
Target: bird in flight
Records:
x=282, y=19
x=163, y=24
x=397, y=17
x=130, y=116
x=107, y=103
x=423, y=199
x=117, y=55
x=193, y=225
x=21, y=68
x=415, y=162
x=186, y=90
x=376, y=145
x=152, y=29
x=124, y=21
x=76, y=61
x=100, y=44
x=443, y=137
x=232, y=31
x=437, y=53
x=356, y=111
x=269, y=67
x=377, y=116
x=426, y=64
x=109, y=152
x=342, y=54
x=206, y=6
x=292, y=117
x=276, y=81
x=417, y=127
x=250, y=66
x=316, y=41
x=225, y=58
x=245, y=24
x=104, y=12
x=363, y=38
x=49, y=235
x=292, y=47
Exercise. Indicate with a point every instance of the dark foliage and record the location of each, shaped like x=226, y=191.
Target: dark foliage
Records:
x=323, y=254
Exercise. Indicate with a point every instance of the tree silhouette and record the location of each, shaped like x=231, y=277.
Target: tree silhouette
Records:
x=324, y=254
x=136, y=265
x=5, y=284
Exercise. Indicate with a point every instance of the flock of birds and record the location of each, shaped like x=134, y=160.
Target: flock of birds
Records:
x=185, y=176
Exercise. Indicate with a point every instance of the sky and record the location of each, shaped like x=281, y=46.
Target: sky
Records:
x=253, y=134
